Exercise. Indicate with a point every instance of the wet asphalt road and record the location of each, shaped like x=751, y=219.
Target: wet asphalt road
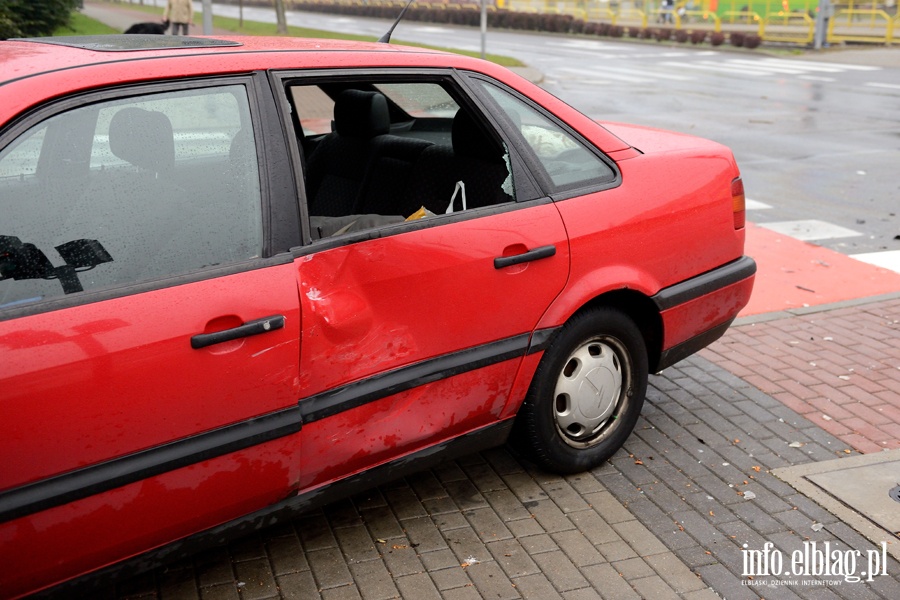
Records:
x=817, y=135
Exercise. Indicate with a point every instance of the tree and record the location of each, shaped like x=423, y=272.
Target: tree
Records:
x=280, y=18
x=31, y=18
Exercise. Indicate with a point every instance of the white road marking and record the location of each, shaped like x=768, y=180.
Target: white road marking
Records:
x=755, y=204
x=625, y=74
x=817, y=78
x=887, y=260
x=767, y=66
x=890, y=86
x=806, y=65
x=810, y=229
x=713, y=66
x=811, y=65
x=776, y=66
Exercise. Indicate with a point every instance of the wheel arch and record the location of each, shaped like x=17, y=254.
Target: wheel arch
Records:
x=640, y=309
x=636, y=305
x=600, y=322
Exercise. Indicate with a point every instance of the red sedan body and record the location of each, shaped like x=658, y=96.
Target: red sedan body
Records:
x=217, y=307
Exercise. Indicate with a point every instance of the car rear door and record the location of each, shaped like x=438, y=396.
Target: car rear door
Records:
x=150, y=326
x=413, y=332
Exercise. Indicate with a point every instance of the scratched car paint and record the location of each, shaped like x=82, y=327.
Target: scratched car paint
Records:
x=242, y=278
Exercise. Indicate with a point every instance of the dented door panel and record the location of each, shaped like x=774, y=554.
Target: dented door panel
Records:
x=416, y=337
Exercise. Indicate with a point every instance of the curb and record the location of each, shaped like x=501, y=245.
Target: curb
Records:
x=810, y=310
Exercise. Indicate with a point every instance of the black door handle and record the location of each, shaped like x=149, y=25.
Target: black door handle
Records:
x=536, y=254
x=264, y=325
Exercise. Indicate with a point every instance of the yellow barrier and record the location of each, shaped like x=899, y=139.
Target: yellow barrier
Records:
x=693, y=17
x=598, y=14
x=791, y=27
x=630, y=15
x=880, y=26
x=746, y=18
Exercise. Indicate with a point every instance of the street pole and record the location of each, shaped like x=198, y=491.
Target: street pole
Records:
x=483, y=26
x=207, y=17
x=823, y=15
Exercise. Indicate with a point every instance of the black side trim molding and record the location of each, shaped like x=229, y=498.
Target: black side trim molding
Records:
x=541, y=339
x=356, y=394
x=700, y=285
x=105, y=476
x=475, y=441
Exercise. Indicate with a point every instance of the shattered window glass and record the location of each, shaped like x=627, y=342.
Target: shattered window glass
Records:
x=565, y=160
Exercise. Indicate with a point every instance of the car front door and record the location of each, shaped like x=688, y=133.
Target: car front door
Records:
x=150, y=340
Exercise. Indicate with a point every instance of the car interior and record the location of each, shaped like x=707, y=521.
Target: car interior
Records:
x=393, y=152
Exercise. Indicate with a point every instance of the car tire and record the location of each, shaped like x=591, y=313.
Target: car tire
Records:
x=587, y=393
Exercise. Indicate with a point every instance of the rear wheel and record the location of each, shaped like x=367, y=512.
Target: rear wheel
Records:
x=587, y=393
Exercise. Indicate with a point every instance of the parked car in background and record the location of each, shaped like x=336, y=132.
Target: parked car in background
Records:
x=244, y=277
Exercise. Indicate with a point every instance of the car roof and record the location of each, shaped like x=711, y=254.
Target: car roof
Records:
x=36, y=69
x=33, y=56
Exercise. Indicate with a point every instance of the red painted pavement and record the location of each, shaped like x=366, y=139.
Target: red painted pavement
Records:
x=793, y=274
x=840, y=368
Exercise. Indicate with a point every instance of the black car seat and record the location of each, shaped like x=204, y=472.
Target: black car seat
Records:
x=475, y=159
x=337, y=166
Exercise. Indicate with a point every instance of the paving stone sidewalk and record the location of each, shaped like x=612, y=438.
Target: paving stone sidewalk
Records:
x=840, y=367
x=670, y=516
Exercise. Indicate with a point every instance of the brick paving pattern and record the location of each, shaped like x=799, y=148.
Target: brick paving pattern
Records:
x=667, y=517
x=840, y=368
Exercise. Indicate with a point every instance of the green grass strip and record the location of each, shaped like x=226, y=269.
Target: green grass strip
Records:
x=82, y=25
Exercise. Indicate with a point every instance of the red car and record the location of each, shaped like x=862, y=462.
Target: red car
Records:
x=244, y=277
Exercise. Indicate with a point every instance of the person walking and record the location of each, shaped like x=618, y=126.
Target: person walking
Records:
x=181, y=14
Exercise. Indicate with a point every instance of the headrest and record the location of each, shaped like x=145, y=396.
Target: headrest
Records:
x=143, y=138
x=360, y=114
x=242, y=150
x=470, y=140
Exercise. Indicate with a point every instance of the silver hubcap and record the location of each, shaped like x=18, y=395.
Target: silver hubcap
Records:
x=591, y=391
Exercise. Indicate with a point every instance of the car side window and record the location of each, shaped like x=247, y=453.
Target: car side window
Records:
x=394, y=151
x=129, y=190
x=566, y=161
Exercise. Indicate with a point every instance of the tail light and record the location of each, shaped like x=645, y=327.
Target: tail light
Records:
x=738, y=203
